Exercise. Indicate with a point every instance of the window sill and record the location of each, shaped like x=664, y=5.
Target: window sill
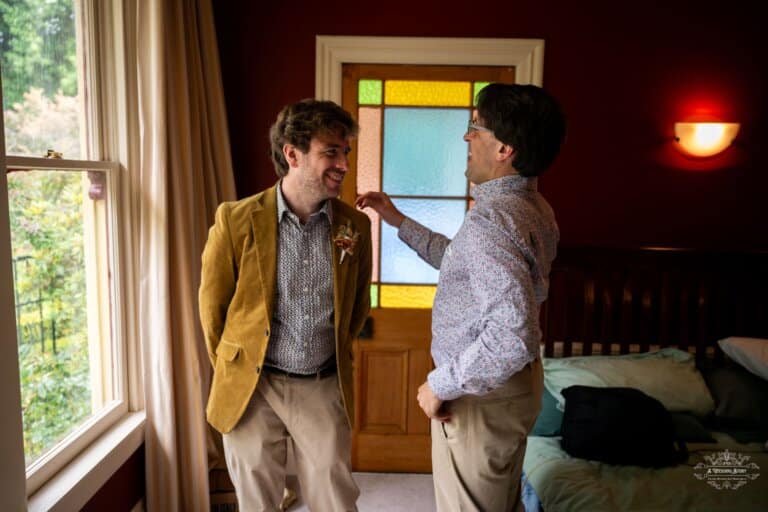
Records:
x=78, y=481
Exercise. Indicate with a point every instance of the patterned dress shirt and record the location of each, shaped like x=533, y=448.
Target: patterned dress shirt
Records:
x=494, y=276
x=303, y=339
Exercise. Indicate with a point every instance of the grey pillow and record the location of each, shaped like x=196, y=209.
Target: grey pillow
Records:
x=741, y=403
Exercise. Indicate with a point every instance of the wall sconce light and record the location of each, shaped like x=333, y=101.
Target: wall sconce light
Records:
x=705, y=139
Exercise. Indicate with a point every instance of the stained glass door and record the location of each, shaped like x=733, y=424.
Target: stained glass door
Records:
x=412, y=120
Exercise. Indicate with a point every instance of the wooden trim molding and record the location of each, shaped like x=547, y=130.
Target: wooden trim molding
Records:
x=525, y=55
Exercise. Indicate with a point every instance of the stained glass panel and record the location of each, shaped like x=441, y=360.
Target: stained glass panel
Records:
x=396, y=296
x=399, y=263
x=369, y=150
x=424, y=152
x=374, y=295
x=427, y=93
x=369, y=92
x=476, y=88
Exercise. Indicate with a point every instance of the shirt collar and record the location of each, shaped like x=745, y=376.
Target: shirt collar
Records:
x=502, y=186
x=283, y=208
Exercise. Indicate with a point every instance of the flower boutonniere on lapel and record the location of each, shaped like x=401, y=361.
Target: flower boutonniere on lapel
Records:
x=346, y=239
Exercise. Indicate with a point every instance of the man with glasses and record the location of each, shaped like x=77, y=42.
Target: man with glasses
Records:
x=485, y=391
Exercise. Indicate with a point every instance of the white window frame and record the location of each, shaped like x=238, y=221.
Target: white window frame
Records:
x=67, y=476
x=526, y=55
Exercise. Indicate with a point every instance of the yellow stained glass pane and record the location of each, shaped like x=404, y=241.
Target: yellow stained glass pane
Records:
x=369, y=92
x=402, y=296
x=374, y=295
x=427, y=93
x=476, y=88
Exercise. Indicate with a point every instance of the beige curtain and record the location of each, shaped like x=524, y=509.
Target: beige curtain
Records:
x=185, y=173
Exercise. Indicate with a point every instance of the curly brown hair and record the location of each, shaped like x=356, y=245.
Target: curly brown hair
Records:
x=297, y=123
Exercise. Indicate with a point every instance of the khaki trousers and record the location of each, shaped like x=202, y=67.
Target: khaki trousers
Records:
x=310, y=411
x=477, y=457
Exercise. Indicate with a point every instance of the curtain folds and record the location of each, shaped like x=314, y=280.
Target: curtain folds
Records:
x=185, y=172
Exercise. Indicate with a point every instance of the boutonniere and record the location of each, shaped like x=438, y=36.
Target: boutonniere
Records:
x=346, y=239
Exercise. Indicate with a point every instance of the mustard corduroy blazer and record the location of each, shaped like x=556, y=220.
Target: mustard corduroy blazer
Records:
x=238, y=279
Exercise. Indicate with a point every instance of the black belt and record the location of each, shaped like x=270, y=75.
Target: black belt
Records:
x=320, y=374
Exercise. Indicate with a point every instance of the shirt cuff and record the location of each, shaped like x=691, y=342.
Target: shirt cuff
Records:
x=442, y=384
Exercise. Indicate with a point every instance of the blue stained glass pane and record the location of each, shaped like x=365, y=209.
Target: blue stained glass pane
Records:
x=424, y=152
x=399, y=263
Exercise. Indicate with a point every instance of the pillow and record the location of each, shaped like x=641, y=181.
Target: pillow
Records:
x=741, y=403
x=619, y=426
x=668, y=375
x=550, y=417
x=751, y=353
x=688, y=428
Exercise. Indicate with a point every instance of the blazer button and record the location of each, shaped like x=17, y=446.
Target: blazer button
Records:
x=266, y=332
x=258, y=369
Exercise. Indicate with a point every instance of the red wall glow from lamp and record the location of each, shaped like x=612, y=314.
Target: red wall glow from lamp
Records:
x=705, y=139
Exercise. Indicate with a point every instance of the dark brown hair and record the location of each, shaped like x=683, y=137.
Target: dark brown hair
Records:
x=297, y=123
x=527, y=118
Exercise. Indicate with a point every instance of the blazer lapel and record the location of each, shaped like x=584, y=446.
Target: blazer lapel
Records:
x=340, y=267
x=264, y=226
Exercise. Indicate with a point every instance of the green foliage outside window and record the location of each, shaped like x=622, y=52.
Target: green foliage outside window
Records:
x=41, y=111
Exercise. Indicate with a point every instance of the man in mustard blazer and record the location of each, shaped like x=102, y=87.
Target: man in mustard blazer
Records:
x=285, y=288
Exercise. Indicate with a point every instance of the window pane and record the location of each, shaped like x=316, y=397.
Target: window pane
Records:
x=369, y=150
x=427, y=93
x=424, y=152
x=39, y=76
x=369, y=92
x=62, y=311
x=398, y=296
x=477, y=87
x=400, y=264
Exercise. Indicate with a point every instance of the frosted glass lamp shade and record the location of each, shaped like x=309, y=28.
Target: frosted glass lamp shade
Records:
x=705, y=139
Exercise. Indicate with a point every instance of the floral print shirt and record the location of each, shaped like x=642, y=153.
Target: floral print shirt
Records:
x=494, y=275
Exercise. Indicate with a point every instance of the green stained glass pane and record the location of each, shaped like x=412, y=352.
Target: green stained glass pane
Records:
x=369, y=92
x=476, y=88
x=374, y=295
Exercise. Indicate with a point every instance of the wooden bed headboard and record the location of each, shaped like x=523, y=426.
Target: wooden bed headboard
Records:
x=616, y=301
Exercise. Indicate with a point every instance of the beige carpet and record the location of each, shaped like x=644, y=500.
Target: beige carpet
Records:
x=386, y=492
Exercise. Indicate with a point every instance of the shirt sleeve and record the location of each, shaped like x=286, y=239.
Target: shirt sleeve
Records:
x=501, y=284
x=430, y=246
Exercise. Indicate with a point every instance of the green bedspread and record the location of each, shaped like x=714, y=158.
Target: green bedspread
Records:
x=563, y=483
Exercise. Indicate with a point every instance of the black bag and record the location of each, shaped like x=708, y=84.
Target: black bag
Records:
x=619, y=426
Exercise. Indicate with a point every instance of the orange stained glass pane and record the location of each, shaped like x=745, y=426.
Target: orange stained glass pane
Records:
x=375, y=232
x=427, y=93
x=369, y=150
x=404, y=296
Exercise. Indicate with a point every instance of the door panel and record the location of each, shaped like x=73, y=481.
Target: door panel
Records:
x=392, y=432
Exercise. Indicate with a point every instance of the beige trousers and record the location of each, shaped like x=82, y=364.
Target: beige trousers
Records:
x=310, y=411
x=477, y=457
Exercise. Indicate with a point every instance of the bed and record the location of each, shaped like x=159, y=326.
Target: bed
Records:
x=657, y=320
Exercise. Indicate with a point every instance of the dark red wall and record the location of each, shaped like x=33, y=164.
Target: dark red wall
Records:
x=624, y=72
x=123, y=489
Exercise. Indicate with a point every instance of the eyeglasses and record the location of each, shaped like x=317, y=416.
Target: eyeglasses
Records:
x=474, y=127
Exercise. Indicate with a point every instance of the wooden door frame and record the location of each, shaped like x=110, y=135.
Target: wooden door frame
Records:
x=525, y=55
